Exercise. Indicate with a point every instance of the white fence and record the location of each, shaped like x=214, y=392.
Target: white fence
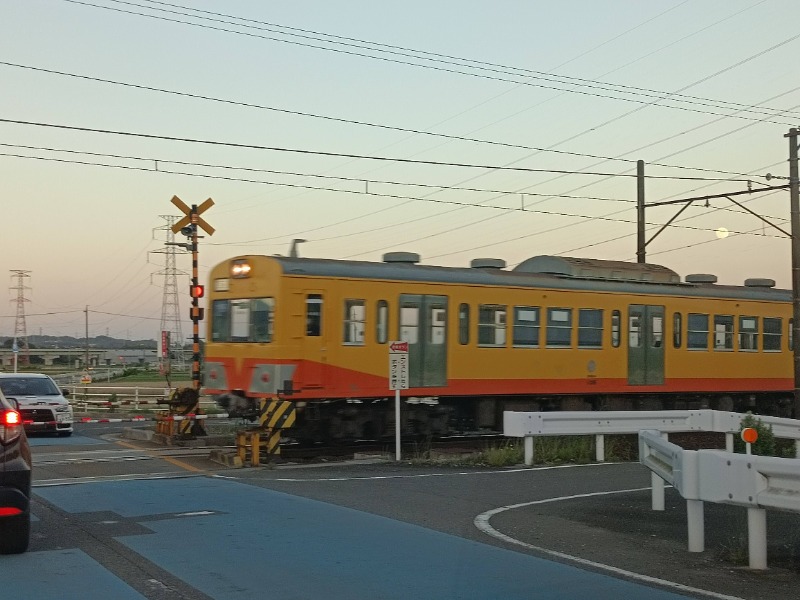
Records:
x=109, y=398
x=755, y=482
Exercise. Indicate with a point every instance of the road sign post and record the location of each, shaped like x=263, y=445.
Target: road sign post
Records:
x=398, y=380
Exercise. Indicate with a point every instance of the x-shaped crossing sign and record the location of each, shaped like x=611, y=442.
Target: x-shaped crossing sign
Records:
x=192, y=216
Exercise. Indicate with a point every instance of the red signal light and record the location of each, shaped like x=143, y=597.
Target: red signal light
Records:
x=197, y=291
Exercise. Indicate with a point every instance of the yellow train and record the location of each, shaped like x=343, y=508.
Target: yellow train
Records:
x=553, y=333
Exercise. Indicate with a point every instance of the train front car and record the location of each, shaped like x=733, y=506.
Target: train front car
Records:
x=297, y=329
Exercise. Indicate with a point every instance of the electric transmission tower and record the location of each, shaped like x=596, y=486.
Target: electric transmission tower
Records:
x=170, y=308
x=20, y=330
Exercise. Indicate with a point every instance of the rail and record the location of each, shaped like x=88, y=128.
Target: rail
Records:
x=754, y=482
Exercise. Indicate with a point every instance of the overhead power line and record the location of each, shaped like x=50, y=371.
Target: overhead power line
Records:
x=336, y=190
x=341, y=154
x=351, y=121
x=485, y=70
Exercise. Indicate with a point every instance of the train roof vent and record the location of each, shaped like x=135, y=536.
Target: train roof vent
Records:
x=488, y=263
x=593, y=268
x=759, y=282
x=702, y=278
x=410, y=258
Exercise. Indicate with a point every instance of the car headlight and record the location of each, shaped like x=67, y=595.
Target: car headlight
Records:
x=63, y=408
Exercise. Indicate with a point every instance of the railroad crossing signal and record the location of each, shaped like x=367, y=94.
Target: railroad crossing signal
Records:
x=188, y=225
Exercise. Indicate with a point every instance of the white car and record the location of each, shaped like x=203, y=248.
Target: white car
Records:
x=43, y=406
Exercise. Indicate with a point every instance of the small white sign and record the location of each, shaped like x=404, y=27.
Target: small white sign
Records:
x=398, y=365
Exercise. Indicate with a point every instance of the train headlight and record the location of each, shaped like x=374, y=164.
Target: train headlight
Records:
x=240, y=269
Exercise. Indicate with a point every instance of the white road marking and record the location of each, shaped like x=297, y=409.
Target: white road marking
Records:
x=482, y=523
x=424, y=475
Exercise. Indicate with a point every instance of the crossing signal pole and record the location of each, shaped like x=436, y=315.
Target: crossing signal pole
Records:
x=186, y=402
x=188, y=225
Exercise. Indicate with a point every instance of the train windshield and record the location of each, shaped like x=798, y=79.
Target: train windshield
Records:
x=243, y=320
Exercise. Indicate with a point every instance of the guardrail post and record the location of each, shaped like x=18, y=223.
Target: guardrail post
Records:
x=600, y=448
x=658, y=486
x=728, y=442
x=528, y=450
x=797, y=448
x=696, y=525
x=757, y=537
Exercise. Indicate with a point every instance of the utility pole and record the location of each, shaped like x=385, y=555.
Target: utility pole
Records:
x=794, y=203
x=86, y=358
x=640, y=240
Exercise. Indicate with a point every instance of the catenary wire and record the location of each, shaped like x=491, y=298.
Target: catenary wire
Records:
x=443, y=69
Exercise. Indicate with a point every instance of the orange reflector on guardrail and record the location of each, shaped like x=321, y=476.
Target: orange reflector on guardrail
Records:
x=749, y=435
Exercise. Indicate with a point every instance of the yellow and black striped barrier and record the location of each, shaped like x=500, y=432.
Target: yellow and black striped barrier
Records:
x=184, y=411
x=274, y=416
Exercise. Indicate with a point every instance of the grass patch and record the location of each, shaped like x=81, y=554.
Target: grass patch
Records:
x=547, y=451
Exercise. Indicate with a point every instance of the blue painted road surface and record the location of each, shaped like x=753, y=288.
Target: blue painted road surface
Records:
x=59, y=574
x=231, y=541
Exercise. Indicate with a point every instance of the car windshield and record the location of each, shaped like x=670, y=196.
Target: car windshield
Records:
x=28, y=386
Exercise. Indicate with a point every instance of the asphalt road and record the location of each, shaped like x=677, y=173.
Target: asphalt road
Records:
x=145, y=521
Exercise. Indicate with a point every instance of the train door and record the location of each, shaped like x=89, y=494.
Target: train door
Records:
x=314, y=340
x=423, y=324
x=645, y=344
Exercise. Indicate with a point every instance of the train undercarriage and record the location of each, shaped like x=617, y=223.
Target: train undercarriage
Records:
x=346, y=420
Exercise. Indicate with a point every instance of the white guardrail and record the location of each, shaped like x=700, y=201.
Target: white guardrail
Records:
x=754, y=482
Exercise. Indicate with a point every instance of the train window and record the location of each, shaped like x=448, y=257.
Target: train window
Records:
x=243, y=320
x=748, y=333
x=314, y=315
x=261, y=320
x=526, y=326
x=590, y=328
x=409, y=324
x=616, y=319
x=676, y=330
x=723, y=332
x=697, y=331
x=635, y=329
x=354, y=317
x=382, y=322
x=220, y=321
x=438, y=325
x=657, y=331
x=491, y=325
x=773, y=327
x=463, y=324
x=559, y=327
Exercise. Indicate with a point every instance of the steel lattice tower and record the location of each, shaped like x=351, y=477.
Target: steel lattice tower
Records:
x=170, y=308
x=20, y=329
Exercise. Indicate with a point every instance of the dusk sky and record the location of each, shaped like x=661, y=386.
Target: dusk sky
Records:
x=570, y=94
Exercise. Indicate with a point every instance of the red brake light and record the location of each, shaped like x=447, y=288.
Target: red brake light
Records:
x=10, y=425
x=11, y=418
x=9, y=511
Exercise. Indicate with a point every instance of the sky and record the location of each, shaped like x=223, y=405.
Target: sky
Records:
x=454, y=129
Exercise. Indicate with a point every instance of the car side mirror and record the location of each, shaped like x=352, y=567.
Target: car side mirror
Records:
x=65, y=392
x=14, y=403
